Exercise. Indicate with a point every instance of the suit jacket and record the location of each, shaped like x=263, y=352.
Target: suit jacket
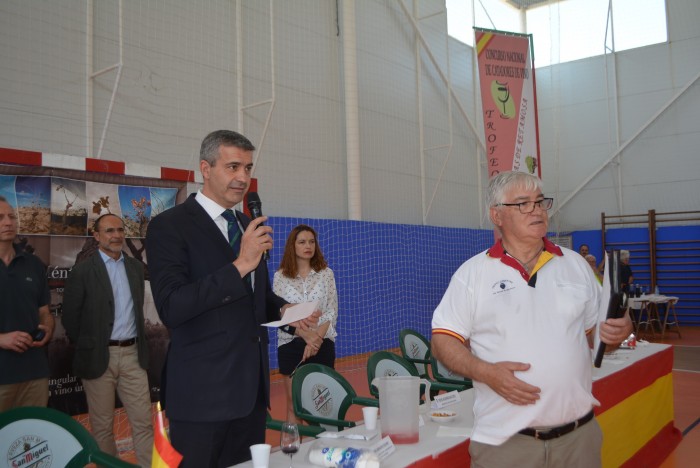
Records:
x=88, y=313
x=217, y=361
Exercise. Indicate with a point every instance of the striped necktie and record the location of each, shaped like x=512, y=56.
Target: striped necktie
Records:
x=234, y=232
x=234, y=238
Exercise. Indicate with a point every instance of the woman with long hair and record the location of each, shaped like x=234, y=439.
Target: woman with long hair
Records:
x=304, y=276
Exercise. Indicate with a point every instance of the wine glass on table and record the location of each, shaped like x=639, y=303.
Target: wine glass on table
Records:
x=289, y=440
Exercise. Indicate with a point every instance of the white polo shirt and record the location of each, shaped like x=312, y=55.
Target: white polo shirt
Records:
x=508, y=315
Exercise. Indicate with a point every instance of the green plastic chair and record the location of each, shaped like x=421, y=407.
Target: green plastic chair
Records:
x=386, y=364
x=304, y=430
x=415, y=348
x=36, y=433
x=322, y=397
x=444, y=375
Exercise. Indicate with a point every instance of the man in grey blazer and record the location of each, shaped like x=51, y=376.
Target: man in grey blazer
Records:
x=103, y=317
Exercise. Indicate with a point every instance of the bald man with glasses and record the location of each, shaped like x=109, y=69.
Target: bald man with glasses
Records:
x=103, y=317
x=518, y=320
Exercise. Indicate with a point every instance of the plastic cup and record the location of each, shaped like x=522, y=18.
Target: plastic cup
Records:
x=370, y=415
x=261, y=455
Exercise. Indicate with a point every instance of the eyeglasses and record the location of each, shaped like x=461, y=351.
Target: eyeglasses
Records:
x=528, y=207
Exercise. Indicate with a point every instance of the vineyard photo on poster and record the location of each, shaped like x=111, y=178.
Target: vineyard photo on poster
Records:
x=55, y=217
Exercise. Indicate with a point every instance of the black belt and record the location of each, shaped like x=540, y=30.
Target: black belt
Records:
x=122, y=343
x=554, y=432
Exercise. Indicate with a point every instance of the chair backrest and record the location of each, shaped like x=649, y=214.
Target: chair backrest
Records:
x=416, y=349
x=38, y=436
x=443, y=374
x=385, y=364
x=319, y=391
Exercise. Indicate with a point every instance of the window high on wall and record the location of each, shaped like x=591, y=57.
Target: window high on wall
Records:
x=563, y=30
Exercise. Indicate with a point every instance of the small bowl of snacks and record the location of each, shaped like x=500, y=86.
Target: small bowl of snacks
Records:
x=442, y=416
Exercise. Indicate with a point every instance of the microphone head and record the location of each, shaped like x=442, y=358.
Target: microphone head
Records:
x=253, y=200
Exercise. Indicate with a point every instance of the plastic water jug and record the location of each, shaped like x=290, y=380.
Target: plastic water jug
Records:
x=398, y=406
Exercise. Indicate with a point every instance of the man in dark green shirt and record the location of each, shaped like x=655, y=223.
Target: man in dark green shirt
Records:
x=26, y=324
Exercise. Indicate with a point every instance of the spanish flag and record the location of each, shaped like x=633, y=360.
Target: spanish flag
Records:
x=164, y=455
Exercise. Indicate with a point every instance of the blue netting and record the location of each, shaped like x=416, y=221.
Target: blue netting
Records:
x=389, y=276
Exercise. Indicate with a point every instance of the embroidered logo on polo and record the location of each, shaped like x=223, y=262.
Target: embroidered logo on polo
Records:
x=502, y=286
x=29, y=451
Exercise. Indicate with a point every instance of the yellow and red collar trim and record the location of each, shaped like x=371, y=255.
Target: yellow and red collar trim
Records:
x=549, y=252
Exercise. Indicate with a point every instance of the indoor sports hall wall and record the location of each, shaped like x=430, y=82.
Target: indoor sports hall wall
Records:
x=677, y=261
x=144, y=82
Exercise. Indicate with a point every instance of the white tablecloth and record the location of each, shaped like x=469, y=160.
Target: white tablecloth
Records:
x=637, y=302
x=621, y=358
x=430, y=441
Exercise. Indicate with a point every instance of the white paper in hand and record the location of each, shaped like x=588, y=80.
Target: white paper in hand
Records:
x=295, y=313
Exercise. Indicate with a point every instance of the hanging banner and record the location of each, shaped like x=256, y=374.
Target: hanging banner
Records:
x=509, y=103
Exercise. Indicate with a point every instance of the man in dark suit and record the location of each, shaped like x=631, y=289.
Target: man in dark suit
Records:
x=213, y=295
x=103, y=316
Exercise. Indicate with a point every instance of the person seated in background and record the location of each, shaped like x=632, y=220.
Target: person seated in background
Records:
x=584, y=250
x=592, y=262
x=626, y=277
x=304, y=276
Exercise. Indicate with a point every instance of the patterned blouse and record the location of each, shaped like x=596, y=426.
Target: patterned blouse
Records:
x=318, y=285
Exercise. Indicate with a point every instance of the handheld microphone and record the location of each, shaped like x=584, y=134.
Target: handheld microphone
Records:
x=255, y=208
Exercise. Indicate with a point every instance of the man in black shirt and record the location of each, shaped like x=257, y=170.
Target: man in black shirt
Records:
x=26, y=324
